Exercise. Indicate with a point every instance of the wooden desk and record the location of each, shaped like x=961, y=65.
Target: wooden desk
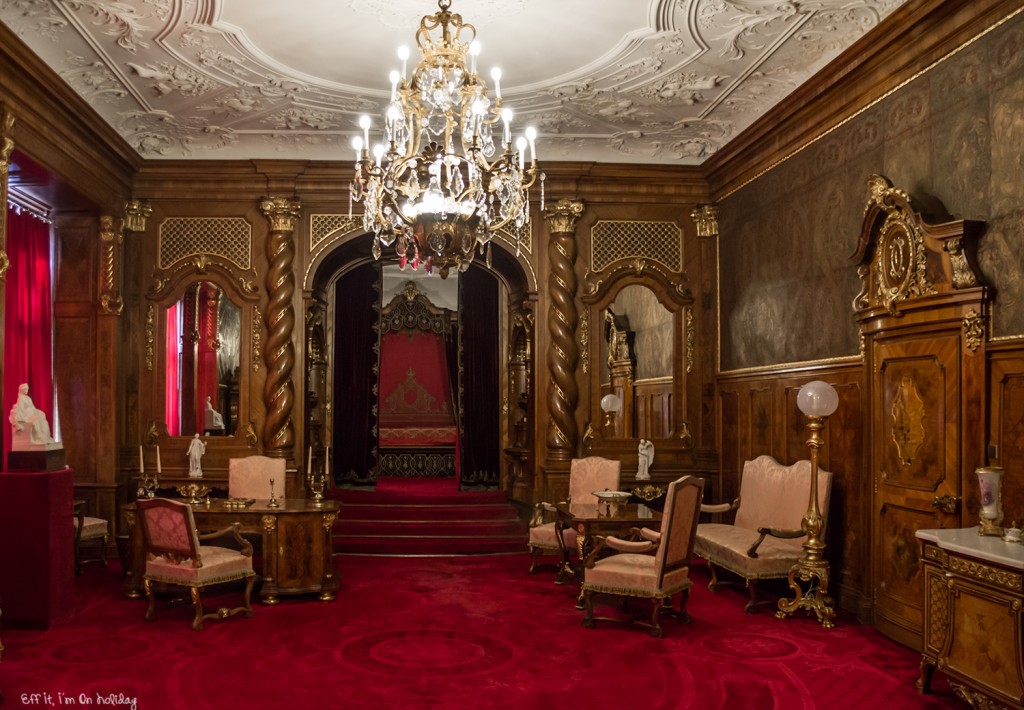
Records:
x=973, y=595
x=296, y=544
x=590, y=519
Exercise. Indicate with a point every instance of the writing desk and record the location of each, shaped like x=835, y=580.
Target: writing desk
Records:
x=296, y=544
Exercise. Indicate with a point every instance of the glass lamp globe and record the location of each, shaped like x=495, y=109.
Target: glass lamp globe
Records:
x=610, y=403
x=817, y=399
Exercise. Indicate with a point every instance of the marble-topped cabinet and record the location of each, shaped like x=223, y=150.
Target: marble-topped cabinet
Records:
x=973, y=594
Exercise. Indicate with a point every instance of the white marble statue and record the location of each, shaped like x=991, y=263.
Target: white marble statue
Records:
x=213, y=418
x=196, y=449
x=645, y=457
x=29, y=427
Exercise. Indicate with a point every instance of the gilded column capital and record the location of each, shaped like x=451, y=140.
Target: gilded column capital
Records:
x=706, y=219
x=282, y=212
x=563, y=215
x=135, y=214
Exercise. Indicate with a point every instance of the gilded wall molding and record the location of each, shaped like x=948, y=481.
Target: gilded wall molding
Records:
x=974, y=330
x=136, y=212
x=150, y=332
x=6, y=150
x=585, y=340
x=111, y=239
x=705, y=217
x=638, y=241
x=563, y=216
x=691, y=338
x=257, y=338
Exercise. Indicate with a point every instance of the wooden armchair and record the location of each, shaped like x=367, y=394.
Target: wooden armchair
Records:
x=89, y=530
x=585, y=476
x=765, y=540
x=176, y=558
x=657, y=566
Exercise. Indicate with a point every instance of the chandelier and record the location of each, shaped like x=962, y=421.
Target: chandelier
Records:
x=446, y=175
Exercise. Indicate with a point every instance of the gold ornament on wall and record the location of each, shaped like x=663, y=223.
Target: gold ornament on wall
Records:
x=974, y=330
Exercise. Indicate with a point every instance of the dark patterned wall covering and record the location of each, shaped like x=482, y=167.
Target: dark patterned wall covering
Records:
x=954, y=133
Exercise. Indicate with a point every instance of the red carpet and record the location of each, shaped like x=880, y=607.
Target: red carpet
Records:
x=425, y=516
x=465, y=632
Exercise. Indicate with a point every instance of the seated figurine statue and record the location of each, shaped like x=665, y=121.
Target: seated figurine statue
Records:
x=213, y=418
x=29, y=427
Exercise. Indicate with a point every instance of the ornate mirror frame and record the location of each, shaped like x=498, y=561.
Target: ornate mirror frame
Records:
x=600, y=291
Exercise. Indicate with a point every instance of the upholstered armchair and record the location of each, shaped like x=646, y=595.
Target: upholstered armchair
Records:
x=249, y=477
x=765, y=539
x=656, y=566
x=176, y=557
x=587, y=475
x=89, y=530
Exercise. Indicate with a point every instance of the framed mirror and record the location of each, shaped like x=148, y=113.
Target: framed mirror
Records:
x=200, y=349
x=637, y=359
x=202, y=352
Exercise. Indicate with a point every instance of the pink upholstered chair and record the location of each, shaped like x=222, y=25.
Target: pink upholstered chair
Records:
x=249, y=477
x=175, y=557
x=765, y=540
x=89, y=530
x=655, y=567
x=585, y=476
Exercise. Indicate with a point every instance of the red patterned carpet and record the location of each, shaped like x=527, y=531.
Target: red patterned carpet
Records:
x=453, y=632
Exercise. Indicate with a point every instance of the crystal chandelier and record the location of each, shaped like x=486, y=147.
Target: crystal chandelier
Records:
x=446, y=175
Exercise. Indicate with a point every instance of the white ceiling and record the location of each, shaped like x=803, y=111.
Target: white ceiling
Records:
x=645, y=81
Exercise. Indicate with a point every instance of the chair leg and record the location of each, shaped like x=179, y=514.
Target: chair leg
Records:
x=684, y=615
x=249, y=581
x=751, y=607
x=151, y=609
x=197, y=602
x=656, y=630
x=533, y=559
x=588, y=609
x=713, y=584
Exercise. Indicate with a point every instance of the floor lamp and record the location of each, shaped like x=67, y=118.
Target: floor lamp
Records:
x=818, y=400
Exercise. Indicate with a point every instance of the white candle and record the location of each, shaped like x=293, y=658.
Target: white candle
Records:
x=142, y=461
x=327, y=461
x=394, y=84
x=531, y=137
x=357, y=146
x=158, y=469
x=403, y=54
x=506, y=117
x=309, y=459
x=364, y=123
x=496, y=75
x=521, y=147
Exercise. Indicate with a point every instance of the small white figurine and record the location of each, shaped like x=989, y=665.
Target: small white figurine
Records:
x=196, y=449
x=645, y=457
x=213, y=418
x=29, y=427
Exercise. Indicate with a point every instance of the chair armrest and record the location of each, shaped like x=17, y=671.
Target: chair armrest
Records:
x=720, y=507
x=652, y=535
x=765, y=532
x=638, y=546
x=539, y=511
x=232, y=530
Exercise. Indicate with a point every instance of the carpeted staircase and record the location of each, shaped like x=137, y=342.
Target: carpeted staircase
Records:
x=425, y=517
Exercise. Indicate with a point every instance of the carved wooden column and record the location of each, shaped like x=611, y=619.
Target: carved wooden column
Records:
x=279, y=390
x=6, y=148
x=563, y=354
x=702, y=335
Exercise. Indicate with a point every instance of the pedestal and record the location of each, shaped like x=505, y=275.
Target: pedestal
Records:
x=43, y=459
x=37, y=579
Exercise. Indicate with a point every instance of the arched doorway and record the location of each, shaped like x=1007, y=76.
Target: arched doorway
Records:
x=345, y=398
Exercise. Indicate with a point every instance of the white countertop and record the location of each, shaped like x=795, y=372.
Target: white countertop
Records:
x=967, y=541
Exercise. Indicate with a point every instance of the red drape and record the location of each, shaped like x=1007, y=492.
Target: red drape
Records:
x=171, y=385
x=415, y=395
x=28, y=324
x=206, y=355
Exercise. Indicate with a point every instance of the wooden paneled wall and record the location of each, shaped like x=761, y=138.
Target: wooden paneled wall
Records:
x=758, y=415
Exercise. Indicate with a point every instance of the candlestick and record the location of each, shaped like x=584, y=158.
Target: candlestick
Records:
x=158, y=469
x=142, y=461
x=309, y=460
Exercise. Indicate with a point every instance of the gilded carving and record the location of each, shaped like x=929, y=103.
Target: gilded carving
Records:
x=691, y=339
x=328, y=520
x=135, y=214
x=152, y=435
x=992, y=575
x=639, y=243
x=219, y=240
x=269, y=523
x=5, y=264
x=282, y=212
x=585, y=340
x=563, y=215
x=705, y=217
x=111, y=239
x=908, y=430
x=150, y=331
x=938, y=610
x=901, y=263
x=6, y=149
x=257, y=338
x=974, y=330
x=250, y=436
x=963, y=274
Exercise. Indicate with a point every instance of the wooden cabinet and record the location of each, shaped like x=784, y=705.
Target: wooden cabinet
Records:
x=973, y=594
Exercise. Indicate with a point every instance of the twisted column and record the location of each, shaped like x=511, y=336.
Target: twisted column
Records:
x=6, y=149
x=279, y=391
x=563, y=392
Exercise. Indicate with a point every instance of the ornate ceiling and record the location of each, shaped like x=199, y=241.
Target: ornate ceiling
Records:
x=644, y=81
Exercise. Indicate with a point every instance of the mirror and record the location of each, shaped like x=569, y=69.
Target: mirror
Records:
x=636, y=359
x=203, y=341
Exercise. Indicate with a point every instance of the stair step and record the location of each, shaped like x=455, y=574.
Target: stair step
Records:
x=429, y=545
x=430, y=528
x=365, y=511
x=355, y=496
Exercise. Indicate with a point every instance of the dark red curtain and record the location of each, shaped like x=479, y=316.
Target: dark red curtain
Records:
x=172, y=387
x=28, y=324
x=481, y=400
x=357, y=309
x=415, y=395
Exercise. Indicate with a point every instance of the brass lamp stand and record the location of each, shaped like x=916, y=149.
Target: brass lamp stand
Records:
x=818, y=400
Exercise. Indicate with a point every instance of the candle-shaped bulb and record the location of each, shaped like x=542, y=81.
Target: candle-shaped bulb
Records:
x=474, y=52
x=496, y=75
x=364, y=123
x=403, y=54
x=531, y=138
x=394, y=76
x=378, y=152
x=357, y=146
x=506, y=117
x=521, y=147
